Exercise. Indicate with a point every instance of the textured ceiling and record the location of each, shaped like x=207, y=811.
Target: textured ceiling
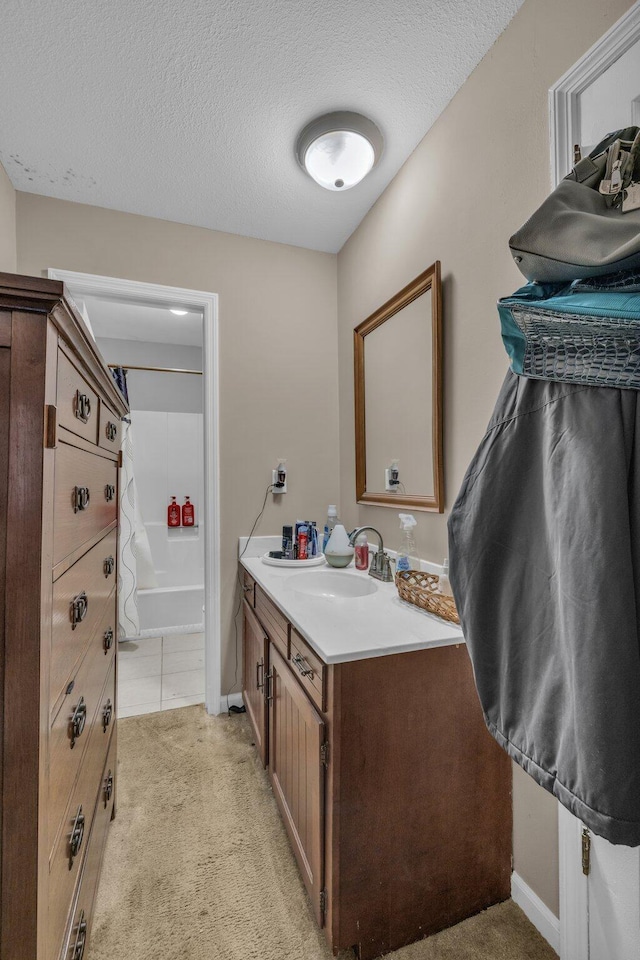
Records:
x=188, y=110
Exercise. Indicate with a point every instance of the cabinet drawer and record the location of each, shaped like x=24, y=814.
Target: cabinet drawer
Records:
x=309, y=669
x=275, y=623
x=110, y=429
x=248, y=588
x=86, y=499
x=78, y=407
x=64, y=864
x=72, y=728
x=79, y=598
x=80, y=926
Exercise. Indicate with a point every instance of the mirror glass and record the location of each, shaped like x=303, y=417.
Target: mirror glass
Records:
x=398, y=386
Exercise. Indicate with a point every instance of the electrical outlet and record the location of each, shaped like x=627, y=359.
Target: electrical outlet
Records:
x=279, y=478
x=392, y=477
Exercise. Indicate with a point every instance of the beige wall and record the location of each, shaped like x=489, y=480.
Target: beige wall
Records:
x=478, y=174
x=7, y=223
x=278, y=353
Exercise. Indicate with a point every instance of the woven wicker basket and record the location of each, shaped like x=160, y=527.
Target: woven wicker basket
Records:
x=421, y=589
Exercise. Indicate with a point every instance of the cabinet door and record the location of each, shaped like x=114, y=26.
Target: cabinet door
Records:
x=296, y=738
x=255, y=650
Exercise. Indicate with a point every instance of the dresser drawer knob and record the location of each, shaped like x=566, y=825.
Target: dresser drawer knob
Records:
x=107, y=714
x=108, y=788
x=82, y=407
x=109, y=492
x=77, y=950
x=77, y=836
x=109, y=566
x=80, y=498
x=79, y=607
x=78, y=721
x=112, y=431
x=107, y=639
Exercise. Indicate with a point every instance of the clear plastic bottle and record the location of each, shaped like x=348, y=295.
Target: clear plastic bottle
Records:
x=362, y=552
x=330, y=522
x=407, y=552
x=444, y=586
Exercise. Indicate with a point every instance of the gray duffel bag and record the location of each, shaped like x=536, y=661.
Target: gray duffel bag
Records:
x=590, y=225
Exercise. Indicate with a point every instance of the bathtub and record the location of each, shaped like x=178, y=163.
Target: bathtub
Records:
x=176, y=604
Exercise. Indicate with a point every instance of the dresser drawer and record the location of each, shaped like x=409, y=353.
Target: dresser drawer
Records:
x=86, y=500
x=275, y=623
x=73, y=725
x=79, y=598
x=80, y=927
x=309, y=669
x=78, y=406
x=110, y=429
x=69, y=851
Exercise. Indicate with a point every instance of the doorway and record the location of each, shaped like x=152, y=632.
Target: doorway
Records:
x=110, y=299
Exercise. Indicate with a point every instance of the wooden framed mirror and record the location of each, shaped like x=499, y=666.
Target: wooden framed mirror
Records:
x=398, y=398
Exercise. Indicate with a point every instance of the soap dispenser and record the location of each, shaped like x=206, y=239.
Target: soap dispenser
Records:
x=339, y=552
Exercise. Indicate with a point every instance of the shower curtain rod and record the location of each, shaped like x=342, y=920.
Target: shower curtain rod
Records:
x=129, y=366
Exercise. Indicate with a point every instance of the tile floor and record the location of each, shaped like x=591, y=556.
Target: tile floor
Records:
x=160, y=673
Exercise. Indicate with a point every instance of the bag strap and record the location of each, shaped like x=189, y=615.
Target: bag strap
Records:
x=627, y=133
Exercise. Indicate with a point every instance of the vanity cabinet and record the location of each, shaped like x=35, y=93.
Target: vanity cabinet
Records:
x=58, y=619
x=395, y=798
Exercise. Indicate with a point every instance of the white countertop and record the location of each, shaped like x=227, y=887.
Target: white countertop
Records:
x=340, y=630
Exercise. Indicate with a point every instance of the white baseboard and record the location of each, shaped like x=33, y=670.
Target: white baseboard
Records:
x=537, y=912
x=233, y=700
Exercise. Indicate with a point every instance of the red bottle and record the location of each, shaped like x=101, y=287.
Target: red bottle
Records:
x=188, y=513
x=173, y=514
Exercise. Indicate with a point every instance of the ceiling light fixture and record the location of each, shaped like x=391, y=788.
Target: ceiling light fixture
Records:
x=339, y=149
x=178, y=313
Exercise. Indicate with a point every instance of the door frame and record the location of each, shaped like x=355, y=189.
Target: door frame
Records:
x=564, y=106
x=136, y=291
x=564, y=120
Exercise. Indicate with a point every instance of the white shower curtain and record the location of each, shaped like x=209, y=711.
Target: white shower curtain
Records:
x=135, y=562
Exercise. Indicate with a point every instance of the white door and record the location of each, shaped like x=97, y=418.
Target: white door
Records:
x=613, y=887
x=600, y=912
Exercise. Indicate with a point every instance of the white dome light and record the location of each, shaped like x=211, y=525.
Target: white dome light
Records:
x=339, y=149
x=178, y=313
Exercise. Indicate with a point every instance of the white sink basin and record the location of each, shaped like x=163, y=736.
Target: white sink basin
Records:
x=332, y=586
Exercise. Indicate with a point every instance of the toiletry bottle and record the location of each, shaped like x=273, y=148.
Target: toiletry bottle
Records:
x=173, y=514
x=444, y=586
x=287, y=542
x=188, y=513
x=303, y=542
x=332, y=519
x=407, y=549
x=362, y=552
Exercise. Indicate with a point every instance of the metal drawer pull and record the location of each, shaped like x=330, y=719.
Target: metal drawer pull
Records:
x=77, y=951
x=111, y=431
x=303, y=666
x=248, y=587
x=109, y=566
x=107, y=713
x=79, y=607
x=80, y=498
x=260, y=674
x=82, y=407
x=107, y=639
x=268, y=685
x=109, y=492
x=77, y=836
x=108, y=788
x=78, y=721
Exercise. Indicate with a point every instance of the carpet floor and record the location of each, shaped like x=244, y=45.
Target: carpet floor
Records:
x=198, y=866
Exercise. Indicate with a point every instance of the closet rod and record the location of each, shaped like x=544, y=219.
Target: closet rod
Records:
x=129, y=366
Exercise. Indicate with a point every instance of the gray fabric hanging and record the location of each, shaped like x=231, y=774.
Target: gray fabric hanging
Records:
x=544, y=545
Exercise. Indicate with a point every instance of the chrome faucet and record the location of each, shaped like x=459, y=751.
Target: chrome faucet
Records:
x=380, y=567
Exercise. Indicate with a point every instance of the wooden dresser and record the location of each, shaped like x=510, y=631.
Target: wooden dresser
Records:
x=60, y=428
